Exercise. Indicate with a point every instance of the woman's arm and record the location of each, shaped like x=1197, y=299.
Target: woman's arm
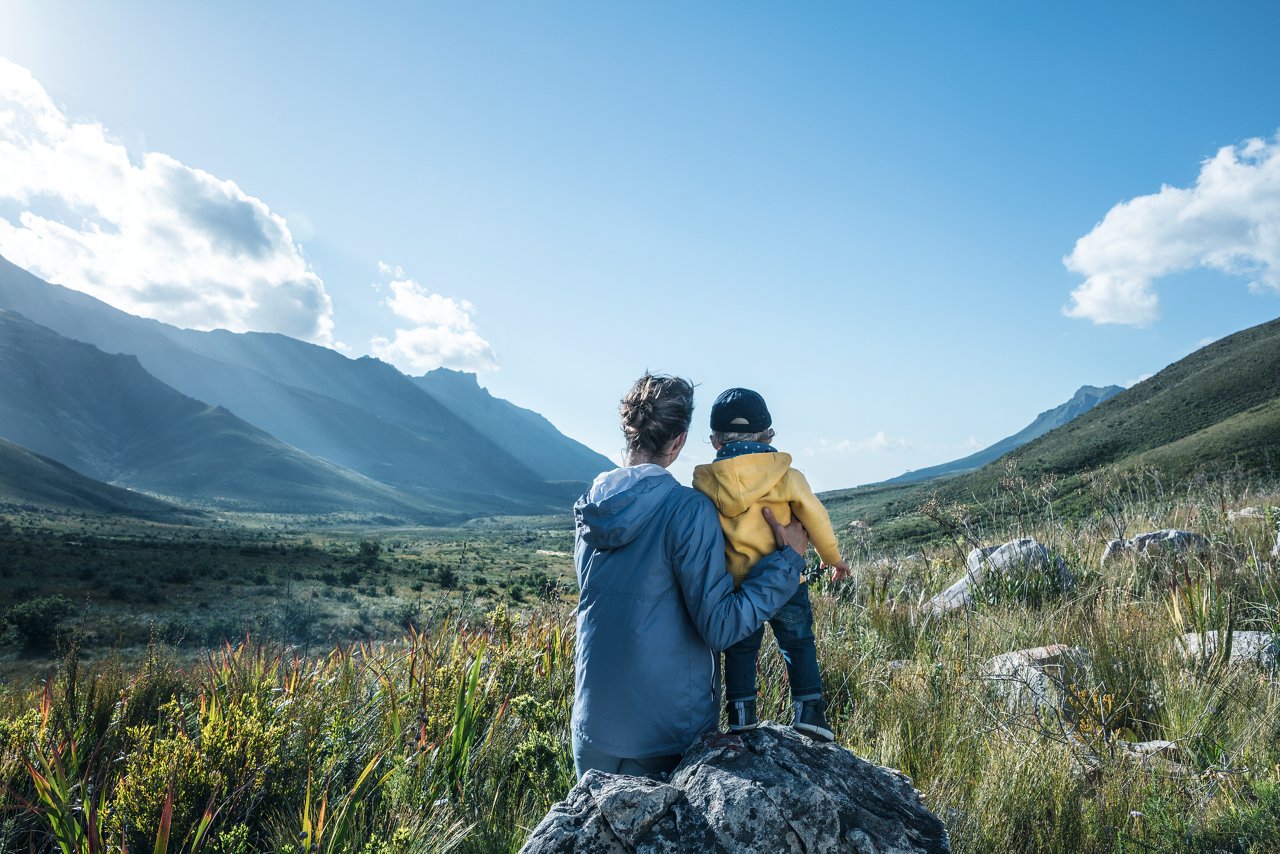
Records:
x=722, y=615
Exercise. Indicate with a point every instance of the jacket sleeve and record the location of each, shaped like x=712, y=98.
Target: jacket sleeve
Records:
x=723, y=616
x=809, y=510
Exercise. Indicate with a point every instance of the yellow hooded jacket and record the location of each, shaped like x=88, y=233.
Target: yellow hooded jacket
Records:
x=742, y=486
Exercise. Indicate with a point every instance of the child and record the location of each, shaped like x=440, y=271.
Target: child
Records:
x=748, y=474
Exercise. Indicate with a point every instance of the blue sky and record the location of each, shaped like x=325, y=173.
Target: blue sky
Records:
x=862, y=211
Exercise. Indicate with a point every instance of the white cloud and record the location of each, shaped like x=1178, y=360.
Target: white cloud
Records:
x=443, y=334
x=881, y=442
x=155, y=237
x=1228, y=221
x=1140, y=378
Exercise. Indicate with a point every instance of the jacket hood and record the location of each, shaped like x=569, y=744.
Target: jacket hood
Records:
x=735, y=484
x=620, y=503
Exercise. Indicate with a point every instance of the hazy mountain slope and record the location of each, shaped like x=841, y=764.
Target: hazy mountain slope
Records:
x=1085, y=398
x=30, y=479
x=106, y=417
x=361, y=414
x=1218, y=407
x=523, y=433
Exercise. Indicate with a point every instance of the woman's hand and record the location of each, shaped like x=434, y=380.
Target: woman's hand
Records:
x=839, y=571
x=793, y=536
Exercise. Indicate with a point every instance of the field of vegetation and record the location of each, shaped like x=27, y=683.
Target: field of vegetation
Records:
x=448, y=732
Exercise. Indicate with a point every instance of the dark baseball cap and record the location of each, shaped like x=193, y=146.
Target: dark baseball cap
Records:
x=740, y=410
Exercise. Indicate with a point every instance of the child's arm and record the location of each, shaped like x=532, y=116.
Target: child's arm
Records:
x=809, y=510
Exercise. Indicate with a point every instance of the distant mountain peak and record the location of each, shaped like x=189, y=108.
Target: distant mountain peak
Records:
x=1085, y=399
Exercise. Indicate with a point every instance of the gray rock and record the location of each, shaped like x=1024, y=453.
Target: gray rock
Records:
x=1260, y=648
x=767, y=790
x=1245, y=513
x=1039, y=678
x=1275, y=550
x=1168, y=542
x=989, y=562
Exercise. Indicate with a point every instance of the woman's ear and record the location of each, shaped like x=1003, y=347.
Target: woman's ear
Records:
x=676, y=446
x=716, y=443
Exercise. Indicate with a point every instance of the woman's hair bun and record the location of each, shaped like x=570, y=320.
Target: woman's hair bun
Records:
x=657, y=409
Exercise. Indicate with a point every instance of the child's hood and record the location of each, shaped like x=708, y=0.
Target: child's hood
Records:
x=735, y=484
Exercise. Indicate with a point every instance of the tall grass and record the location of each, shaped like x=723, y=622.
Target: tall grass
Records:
x=455, y=737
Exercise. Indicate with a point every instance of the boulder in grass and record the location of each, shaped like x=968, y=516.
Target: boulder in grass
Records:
x=1260, y=648
x=1040, y=678
x=1245, y=513
x=1168, y=542
x=990, y=563
x=766, y=790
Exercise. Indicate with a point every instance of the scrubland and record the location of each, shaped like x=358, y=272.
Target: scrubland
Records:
x=451, y=734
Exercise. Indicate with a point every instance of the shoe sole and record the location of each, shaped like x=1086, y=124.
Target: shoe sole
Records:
x=815, y=732
x=742, y=727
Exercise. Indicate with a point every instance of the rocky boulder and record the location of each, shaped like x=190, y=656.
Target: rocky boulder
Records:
x=767, y=790
x=1040, y=678
x=1260, y=648
x=1245, y=513
x=989, y=564
x=1169, y=542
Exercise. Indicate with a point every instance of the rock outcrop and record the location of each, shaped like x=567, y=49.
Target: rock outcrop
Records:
x=988, y=563
x=1169, y=542
x=1039, y=678
x=1245, y=513
x=767, y=790
x=1260, y=648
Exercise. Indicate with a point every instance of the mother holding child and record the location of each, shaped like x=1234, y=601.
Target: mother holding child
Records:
x=657, y=600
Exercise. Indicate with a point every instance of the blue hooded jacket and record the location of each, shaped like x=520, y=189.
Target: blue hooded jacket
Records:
x=655, y=605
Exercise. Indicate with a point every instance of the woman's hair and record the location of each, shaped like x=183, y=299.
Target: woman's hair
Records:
x=657, y=409
x=764, y=436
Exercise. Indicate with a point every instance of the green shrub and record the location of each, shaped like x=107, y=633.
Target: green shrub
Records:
x=37, y=621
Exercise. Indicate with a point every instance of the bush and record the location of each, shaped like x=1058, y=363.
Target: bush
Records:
x=37, y=620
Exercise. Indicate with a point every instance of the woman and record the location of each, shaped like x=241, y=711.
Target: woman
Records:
x=656, y=602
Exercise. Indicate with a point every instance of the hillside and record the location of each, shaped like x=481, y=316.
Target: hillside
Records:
x=1217, y=408
x=360, y=414
x=522, y=432
x=1085, y=399
x=107, y=418
x=30, y=479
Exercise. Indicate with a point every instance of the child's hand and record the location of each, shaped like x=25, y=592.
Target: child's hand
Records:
x=840, y=571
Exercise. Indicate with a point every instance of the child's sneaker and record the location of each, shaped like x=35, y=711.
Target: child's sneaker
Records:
x=742, y=715
x=811, y=720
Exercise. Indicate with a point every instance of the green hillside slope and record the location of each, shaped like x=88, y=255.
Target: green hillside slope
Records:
x=109, y=419
x=359, y=414
x=1085, y=398
x=1218, y=407
x=30, y=479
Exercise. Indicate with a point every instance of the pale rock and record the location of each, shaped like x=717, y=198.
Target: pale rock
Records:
x=1260, y=648
x=1245, y=513
x=1168, y=542
x=1039, y=678
x=766, y=790
x=988, y=562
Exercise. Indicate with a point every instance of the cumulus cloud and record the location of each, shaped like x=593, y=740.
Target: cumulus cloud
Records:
x=881, y=442
x=1228, y=221
x=151, y=236
x=443, y=333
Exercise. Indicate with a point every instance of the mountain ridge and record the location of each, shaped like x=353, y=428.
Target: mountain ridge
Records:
x=359, y=414
x=1216, y=408
x=104, y=416
x=1085, y=398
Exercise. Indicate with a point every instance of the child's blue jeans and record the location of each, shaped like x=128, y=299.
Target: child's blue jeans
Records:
x=793, y=630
